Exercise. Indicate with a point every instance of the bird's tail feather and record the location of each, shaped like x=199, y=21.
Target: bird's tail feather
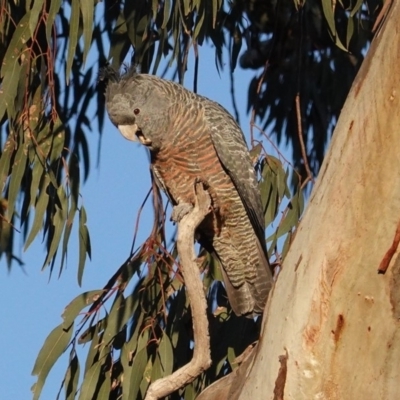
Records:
x=249, y=299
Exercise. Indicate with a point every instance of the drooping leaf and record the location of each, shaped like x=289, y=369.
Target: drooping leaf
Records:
x=59, y=220
x=87, y=9
x=77, y=305
x=18, y=171
x=54, y=345
x=84, y=243
x=40, y=209
x=95, y=346
x=11, y=67
x=105, y=388
x=36, y=8
x=53, y=10
x=165, y=354
x=137, y=373
x=93, y=377
x=72, y=378
x=5, y=160
x=73, y=37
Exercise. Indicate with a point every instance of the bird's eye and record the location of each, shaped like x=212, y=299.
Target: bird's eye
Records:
x=136, y=111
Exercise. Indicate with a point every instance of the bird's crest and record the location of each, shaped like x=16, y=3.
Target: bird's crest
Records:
x=110, y=74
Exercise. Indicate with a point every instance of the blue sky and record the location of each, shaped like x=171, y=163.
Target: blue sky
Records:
x=32, y=305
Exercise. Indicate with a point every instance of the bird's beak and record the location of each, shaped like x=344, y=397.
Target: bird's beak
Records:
x=133, y=133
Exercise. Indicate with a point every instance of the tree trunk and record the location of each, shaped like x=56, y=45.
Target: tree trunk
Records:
x=334, y=316
x=331, y=328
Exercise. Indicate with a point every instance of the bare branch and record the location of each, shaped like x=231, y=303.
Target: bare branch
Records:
x=301, y=140
x=194, y=287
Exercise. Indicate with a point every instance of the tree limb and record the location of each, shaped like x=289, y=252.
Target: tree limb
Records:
x=194, y=287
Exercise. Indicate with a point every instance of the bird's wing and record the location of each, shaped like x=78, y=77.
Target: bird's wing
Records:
x=160, y=183
x=232, y=151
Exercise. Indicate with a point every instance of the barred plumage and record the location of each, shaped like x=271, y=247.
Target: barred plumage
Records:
x=191, y=137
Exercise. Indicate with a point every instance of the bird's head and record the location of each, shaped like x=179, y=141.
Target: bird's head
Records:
x=137, y=105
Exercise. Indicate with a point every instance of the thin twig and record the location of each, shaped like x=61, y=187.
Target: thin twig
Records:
x=301, y=140
x=196, y=66
x=232, y=83
x=138, y=219
x=253, y=111
x=194, y=287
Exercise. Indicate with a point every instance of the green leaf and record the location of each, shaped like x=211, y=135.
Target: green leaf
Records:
x=350, y=31
x=91, y=379
x=125, y=359
x=114, y=318
x=34, y=15
x=137, y=373
x=5, y=160
x=72, y=378
x=54, y=345
x=120, y=43
x=154, y=8
x=187, y=7
x=156, y=370
x=121, y=311
x=58, y=140
x=133, y=341
x=162, y=42
x=215, y=9
x=292, y=217
x=166, y=355
x=190, y=393
x=220, y=364
x=73, y=36
x=339, y=44
x=84, y=243
x=37, y=174
x=74, y=180
x=356, y=8
x=53, y=10
x=167, y=12
x=199, y=23
x=87, y=9
x=76, y=305
x=105, y=389
x=11, y=67
x=58, y=222
x=18, y=171
x=328, y=12
x=42, y=147
x=95, y=347
x=40, y=210
x=236, y=47
x=142, y=342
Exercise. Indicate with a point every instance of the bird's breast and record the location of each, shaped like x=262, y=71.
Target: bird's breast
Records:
x=178, y=167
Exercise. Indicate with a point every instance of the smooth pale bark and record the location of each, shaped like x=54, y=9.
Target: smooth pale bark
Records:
x=201, y=360
x=334, y=315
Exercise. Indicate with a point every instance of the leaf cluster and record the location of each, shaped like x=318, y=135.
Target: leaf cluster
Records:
x=44, y=148
x=311, y=49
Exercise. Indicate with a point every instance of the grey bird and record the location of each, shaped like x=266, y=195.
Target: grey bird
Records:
x=191, y=138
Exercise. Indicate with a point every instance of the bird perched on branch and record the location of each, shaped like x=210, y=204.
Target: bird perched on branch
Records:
x=192, y=138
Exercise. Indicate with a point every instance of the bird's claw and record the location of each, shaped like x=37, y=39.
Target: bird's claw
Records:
x=180, y=210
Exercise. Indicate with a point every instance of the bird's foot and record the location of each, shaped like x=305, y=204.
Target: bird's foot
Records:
x=180, y=211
